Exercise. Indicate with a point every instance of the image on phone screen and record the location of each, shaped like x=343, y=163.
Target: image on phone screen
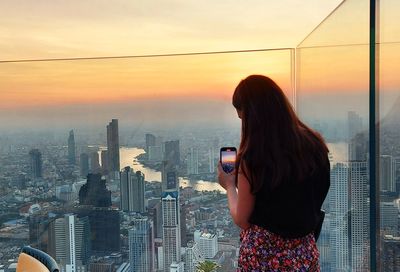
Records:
x=228, y=158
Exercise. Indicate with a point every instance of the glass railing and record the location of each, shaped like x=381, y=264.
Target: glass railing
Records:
x=389, y=134
x=332, y=96
x=67, y=125
x=69, y=130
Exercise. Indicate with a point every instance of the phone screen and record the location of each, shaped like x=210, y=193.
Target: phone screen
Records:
x=228, y=158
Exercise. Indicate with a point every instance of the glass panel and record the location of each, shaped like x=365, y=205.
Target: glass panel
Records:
x=389, y=95
x=332, y=96
x=53, y=133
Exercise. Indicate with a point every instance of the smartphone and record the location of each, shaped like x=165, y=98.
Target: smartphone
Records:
x=228, y=158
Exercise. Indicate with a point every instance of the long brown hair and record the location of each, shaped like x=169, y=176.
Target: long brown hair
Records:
x=275, y=145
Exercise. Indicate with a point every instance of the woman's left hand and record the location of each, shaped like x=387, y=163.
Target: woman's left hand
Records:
x=226, y=180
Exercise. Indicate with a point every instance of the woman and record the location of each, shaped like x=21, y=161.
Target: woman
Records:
x=280, y=182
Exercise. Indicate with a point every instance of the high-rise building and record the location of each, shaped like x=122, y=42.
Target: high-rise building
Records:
x=211, y=160
x=104, y=160
x=39, y=230
x=171, y=228
x=104, y=228
x=193, y=161
x=349, y=226
x=339, y=207
x=84, y=164
x=94, y=162
x=358, y=216
x=155, y=213
x=172, y=152
x=95, y=192
x=389, y=218
x=390, y=253
x=72, y=243
x=387, y=173
x=113, y=146
x=155, y=153
x=169, y=177
x=182, y=224
x=207, y=242
x=176, y=267
x=71, y=148
x=36, y=163
x=132, y=191
x=354, y=124
x=150, y=141
x=193, y=257
x=141, y=245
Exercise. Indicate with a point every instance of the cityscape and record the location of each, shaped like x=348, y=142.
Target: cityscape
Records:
x=156, y=205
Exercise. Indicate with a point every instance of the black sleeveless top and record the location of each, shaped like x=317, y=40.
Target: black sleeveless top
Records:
x=292, y=210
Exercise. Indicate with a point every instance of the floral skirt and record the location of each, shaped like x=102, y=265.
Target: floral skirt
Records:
x=261, y=250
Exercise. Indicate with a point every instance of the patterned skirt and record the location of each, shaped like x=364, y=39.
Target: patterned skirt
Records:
x=261, y=250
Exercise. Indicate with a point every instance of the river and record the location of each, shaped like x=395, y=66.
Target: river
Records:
x=128, y=157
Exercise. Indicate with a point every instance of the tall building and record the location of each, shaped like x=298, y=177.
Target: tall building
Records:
x=354, y=124
x=104, y=228
x=95, y=192
x=141, y=245
x=358, y=219
x=71, y=148
x=207, y=242
x=339, y=207
x=84, y=164
x=150, y=141
x=113, y=146
x=36, y=163
x=94, y=162
x=72, y=243
x=132, y=190
x=193, y=161
x=172, y=152
x=193, y=257
x=171, y=228
x=155, y=213
x=182, y=224
x=169, y=177
x=104, y=160
x=389, y=218
x=211, y=160
x=387, y=173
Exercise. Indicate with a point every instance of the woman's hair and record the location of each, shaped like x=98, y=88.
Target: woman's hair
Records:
x=275, y=147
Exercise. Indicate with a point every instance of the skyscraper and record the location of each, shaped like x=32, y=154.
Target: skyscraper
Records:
x=132, y=191
x=172, y=153
x=358, y=216
x=94, y=162
x=141, y=245
x=211, y=160
x=150, y=141
x=354, y=124
x=36, y=163
x=72, y=242
x=169, y=177
x=113, y=146
x=84, y=164
x=171, y=229
x=71, y=148
x=104, y=160
x=339, y=208
x=104, y=228
x=193, y=161
x=387, y=173
x=95, y=192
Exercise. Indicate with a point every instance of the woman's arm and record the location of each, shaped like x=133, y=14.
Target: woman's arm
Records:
x=240, y=200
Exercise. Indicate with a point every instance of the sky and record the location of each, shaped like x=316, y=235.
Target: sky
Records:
x=146, y=89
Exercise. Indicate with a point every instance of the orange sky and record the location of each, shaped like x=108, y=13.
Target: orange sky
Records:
x=46, y=29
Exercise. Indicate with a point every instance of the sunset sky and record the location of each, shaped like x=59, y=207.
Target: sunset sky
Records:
x=67, y=29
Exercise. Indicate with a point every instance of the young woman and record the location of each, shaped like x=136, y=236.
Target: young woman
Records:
x=280, y=182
